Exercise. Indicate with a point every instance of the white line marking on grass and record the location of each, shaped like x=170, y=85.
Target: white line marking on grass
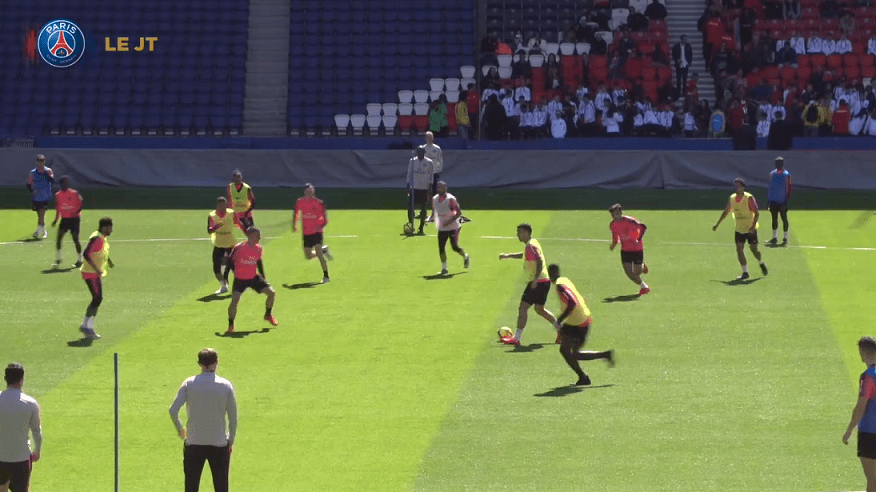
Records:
x=161, y=240
x=590, y=240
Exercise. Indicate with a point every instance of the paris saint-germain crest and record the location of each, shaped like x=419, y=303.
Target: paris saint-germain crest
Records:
x=61, y=43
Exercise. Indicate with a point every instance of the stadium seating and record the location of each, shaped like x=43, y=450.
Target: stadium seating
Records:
x=192, y=83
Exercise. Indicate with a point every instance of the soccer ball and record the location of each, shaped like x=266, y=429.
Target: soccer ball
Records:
x=408, y=229
x=505, y=332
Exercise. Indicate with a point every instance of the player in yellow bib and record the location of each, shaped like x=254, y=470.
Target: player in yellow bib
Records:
x=574, y=325
x=220, y=225
x=744, y=208
x=537, y=283
x=96, y=256
x=242, y=201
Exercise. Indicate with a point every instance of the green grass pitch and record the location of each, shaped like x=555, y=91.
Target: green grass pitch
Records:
x=384, y=380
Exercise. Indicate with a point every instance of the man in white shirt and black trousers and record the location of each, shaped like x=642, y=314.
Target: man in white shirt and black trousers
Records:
x=208, y=400
x=19, y=413
x=421, y=172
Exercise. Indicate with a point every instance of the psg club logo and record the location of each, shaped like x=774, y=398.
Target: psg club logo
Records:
x=61, y=43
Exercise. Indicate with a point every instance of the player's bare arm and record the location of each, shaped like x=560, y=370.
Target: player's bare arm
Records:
x=87, y=256
x=110, y=263
x=857, y=414
x=539, y=264
x=753, y=204
x=295, y=220
x=505, y=256
x=261, y=268
x=251, y=201
x=723, y=215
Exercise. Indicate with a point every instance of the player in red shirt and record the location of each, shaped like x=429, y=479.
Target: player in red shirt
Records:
x=629, y=231
x=68, y=206
x=249, y=273
x=313, y=222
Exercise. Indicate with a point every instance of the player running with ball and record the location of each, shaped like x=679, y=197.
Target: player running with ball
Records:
x=313, y=221
x=446, y=209
x=629, y=231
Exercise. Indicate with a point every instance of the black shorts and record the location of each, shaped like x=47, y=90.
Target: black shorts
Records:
x=35, y=205
x=421, y=197
x=777, y=207
x=635, y=257
x=18, y=473
x=751, y=237
x=220, y=253
x=537, y=296
x=256, y=283
x=311, y=240
x=69, y=224
x=867, y=445
x=577, y=334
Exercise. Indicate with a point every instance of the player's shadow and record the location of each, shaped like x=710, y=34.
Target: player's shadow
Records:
x=214, y=297
x=862, y=219
x=525, y=349
x=57, y=270
x=737, y=281
x=81, y=343
x=569, y=390
x=303, y=285
x=29, y=240
x=776, y=245
x=241, y=334
x=623, y=298
x=438, y=276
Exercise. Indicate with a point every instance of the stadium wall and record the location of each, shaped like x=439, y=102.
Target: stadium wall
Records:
x=528, y=169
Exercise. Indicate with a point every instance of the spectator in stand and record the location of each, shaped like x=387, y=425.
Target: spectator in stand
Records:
x=682, y=55
x=702, y=113
x=555, y=107
x=598, y=47
x=655, y=11
x=558, y=127
x=512, y=111
x=762, y=92
x=746, y=23
x=798, y=43
x=637, y=22
x=585, y=70
x=808, y=94
x=692, y=90
x=474, y=107
x=761, y=51
x=690, y=121
x=601, y=17
x=828, y=45
x=615, y=67
x=829, y=9
x=856, y=124
x=792, y=9
x=651, y=122
x=520, y=67
x=463, y=123
x=763, y=126
x=773, y=9
x=508, y=102
x=841, y=119
x=586, y=118
x=811, y=119
x=814, y=44
x=659, y=58
x=778, y=111
x=494, y=118
x=843, y=45
x=618, y=94
x=527, y=121
x=780, y=133
x=491, y=79
x=570, y=115
x=847, y=22
x=612, y=120
x=626, y=45
x=603, y=99
x=737, y=84
x=870, y=125
x=522, y=90
x=540, y=120
x=667, y=120
x=552, y=79
x=765, y=108
x=787, y=56
x=438, y=118
x=825, y=122
x=735, y=116
x=871, y=46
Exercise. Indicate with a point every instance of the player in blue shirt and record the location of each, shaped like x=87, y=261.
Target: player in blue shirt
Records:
x=778, y=193
x=39, y=183
x=864, y=414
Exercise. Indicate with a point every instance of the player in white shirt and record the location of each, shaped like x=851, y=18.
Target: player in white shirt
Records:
x=434, y=153
x=19, y=416
x=421, y=171
x=448, y=213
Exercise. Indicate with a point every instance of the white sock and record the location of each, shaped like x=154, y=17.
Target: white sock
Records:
x=644, y=285
x=519, y=334
x=85, y=321
x=91, y=321
x=775, y=233
x=444, y=265
x=786, y=235
x=80, y=256
x=59, y=254
x=745, y=269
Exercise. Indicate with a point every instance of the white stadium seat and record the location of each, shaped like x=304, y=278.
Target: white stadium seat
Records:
x=435, y=95
x=342, y=121
x=421, y=109
x=536, y=60
x=452, y=96
x=389, y=122
x=436, y=84
x=504, y=60
x=374, y=109
x=421, y=96
x=358, y=122
x=567, y=49
x=390, y=108
x=467, y=71
x=373, y=123
x=405, y=96
x=451, y=84
x=405, y=109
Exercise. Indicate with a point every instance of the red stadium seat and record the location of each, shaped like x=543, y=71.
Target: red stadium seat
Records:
x=788, y=74
x=867, y=60
x=633, y=68
x=664, y=74
x=852, y=72
x=817, y=60
x=405, y=123
x=598, y=61
x=421, y=123
x=802, y=61
x=868, y=72
x=598, y=74
x=451, y=117
x=850, y=59
x=647, y=48
x=810, y=13
x=803, y=74
x=649, y=73
x=834, y=61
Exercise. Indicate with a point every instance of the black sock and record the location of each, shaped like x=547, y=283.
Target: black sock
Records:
x=230, y=321
x=268, y=311
x=325, y=273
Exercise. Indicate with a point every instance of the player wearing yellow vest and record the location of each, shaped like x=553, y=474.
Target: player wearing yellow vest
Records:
x=242, y=201
x=744, y=208
x=537, y=282
x=94, y=267
x=220, y=225
x=574, y=326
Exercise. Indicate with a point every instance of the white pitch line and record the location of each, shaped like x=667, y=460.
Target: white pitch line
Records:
x=590, y=240
x=162, y=240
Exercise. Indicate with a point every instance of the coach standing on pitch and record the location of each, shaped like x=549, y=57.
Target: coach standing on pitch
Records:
x=208, y=399
x=421, y=172
x=18, y=414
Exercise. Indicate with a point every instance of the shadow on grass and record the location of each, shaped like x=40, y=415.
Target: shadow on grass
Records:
x=525, y=349
x=770, y=244
x=862, y=219
x=57, y=270
x=303, y=285
x=81, y=343
x=737, y=281
x=569, y=390
x=624, y=298
x=438, y=276
x=241, y=334
x=214, y=297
